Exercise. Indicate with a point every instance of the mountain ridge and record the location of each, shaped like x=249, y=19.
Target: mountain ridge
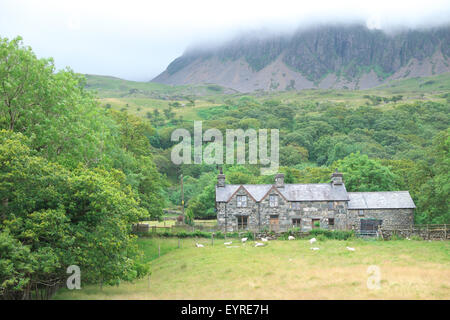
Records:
x=349, y=57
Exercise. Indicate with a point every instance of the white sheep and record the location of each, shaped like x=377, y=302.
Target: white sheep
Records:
x=264, y=239
x=199, y=245
x=312, y=240
x=228, y=243
x=259, y=244
x=244, y=240
x=291, y=238
x=350, y=249
x=315, y=249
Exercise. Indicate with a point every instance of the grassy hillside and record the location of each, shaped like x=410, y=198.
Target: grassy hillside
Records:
x=434, y=84
x=139, y=98
x=107, y=86
x=286, y=270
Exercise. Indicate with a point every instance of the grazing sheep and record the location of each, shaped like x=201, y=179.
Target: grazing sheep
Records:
x=350, y=249
x=264, y=239
x=259, y=244
x=291, y=238
x=244, y=240
x=312, y=240
x=228, y=243
x=199, y=245
x=315, y=249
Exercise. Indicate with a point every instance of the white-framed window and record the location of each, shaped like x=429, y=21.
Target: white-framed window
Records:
x=295, y=205
x=241, y=201
x=296, y=222
x=330, y=205
x=360, y=213
x=273, y=200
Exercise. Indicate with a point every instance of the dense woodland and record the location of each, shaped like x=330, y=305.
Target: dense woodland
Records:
x=75, y=174
x=74, y=177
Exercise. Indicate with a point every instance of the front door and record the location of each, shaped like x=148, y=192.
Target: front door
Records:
x=274, y=223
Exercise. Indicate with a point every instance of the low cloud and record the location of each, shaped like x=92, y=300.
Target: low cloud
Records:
x=136, y=40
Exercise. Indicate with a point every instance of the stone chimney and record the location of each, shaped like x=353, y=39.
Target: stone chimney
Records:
x=336, y=178
x=279, y=180
x=221, y=179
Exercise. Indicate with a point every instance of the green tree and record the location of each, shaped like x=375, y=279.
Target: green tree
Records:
x=364, y=174
x=64, y=122
x=434, y=194
x=58, y=218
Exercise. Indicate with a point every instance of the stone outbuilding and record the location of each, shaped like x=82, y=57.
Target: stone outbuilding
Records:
x=279, y=206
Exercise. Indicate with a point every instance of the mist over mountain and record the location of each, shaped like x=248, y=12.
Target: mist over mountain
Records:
x=330, y=56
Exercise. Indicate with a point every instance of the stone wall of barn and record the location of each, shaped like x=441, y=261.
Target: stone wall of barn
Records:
x=390, y=217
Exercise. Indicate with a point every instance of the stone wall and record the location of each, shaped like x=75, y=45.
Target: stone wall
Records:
x=228, y=213
x=259, y=214
x=390, y=217
x=432, y=232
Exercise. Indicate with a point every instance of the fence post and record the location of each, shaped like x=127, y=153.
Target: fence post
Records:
x=159, y=250
x=212, y=239
x=428, y=232
x=178, y=243
x=445, y=232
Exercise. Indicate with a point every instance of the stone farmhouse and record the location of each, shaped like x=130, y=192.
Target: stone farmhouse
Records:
x=279, y=206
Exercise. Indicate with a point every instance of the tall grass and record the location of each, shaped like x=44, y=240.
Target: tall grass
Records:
x=285, y=270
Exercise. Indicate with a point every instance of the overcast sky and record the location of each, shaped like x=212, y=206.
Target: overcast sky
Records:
x=136, y=40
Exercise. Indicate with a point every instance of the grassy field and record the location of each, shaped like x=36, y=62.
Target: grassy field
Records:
x=285, y=270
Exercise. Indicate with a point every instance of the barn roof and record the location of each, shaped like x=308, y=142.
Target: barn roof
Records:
x=292, y=192
x=381, y=200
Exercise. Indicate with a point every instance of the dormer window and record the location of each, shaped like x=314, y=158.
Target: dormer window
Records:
x=273, y=200
x=241, y=201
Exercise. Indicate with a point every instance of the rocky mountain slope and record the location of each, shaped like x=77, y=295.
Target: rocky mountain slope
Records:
x=352, y=57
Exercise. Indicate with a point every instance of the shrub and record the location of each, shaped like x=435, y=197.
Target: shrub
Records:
x=219, y=235
x=332, y=234
x=248, y=235
x=396, y=236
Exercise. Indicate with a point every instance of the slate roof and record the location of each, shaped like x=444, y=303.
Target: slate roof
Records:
x=292, y=192
x=314, y=192
x=257, y=191
x=381, y=200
